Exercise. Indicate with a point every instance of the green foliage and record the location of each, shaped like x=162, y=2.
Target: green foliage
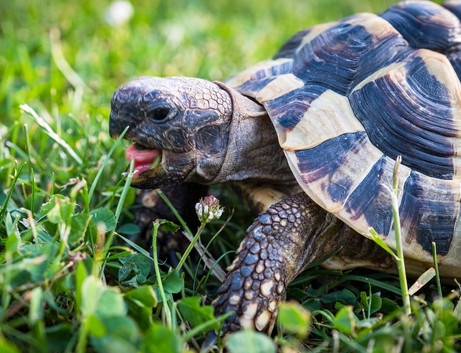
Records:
x=194, y=313
x=73, y=276
x=250, y=342
x=344, y=320
x=293, y=318
x=161, y=339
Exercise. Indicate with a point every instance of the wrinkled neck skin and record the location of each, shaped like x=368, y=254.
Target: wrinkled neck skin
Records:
x=253, y=152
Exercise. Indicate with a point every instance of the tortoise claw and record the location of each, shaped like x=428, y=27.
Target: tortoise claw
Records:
x=210, y=342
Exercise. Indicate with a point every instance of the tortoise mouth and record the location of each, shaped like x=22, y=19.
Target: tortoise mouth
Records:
x=155, y=168
x=145, y=159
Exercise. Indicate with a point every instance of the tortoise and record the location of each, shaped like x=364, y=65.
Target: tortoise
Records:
x=329, y=114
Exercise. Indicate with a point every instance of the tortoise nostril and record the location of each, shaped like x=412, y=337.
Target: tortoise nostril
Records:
x=160, y=114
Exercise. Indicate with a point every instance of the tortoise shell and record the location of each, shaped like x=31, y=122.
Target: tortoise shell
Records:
x=346, y=98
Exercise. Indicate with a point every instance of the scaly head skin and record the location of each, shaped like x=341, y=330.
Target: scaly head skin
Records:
x=188, y=129
x=182, y=121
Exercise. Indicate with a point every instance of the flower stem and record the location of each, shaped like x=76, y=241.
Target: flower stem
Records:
x=190, y=247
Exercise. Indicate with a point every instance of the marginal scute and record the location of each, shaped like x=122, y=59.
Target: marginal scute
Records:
x=429, y=211
x=370, y=203
x=252, y=80
x=287, y=110
x=278, y=87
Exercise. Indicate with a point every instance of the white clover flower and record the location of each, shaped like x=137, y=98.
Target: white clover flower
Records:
x=208, y=209
x=118, y=13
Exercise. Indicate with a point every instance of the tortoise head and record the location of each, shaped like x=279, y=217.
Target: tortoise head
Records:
x=179, y=126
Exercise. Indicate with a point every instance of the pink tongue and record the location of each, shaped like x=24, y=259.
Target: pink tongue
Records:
x=143, y=159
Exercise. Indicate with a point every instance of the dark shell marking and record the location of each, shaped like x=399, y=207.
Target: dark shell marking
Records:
x=349, y=52
x=424, y=25
x=347, y=97
x=417, y=110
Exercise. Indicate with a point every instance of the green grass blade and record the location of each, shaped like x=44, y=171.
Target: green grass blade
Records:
x=10, y=192
x=372, y=281
x=135, y=246
x=118, y=211
x=377, y=239
x=159, y=278
x=436, y=269
x=98, y=175
x=178, y=216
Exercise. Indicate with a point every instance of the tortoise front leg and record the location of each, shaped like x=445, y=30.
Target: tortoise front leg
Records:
x=279, y=245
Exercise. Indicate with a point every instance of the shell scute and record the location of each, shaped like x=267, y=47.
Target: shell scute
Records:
x=290, y=48
x=429, y=211
x=455, y=60
x=327, y=113
x=454, y=6
x=251, y=81
x=349, y=52
x=368, y=204
x=288, y=109
x=420, y=109
x=425, y=25
x=331, y=171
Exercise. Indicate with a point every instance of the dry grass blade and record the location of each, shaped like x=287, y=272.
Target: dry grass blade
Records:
x=208, y=259
x=422, y=281
x=49, y=131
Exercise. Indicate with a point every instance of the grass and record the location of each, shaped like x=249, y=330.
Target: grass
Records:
x=71, y=276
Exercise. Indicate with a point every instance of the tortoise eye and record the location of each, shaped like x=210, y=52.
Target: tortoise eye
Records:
x=159, y=114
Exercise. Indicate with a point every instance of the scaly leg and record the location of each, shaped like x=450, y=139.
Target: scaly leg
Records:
x=279, y=245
